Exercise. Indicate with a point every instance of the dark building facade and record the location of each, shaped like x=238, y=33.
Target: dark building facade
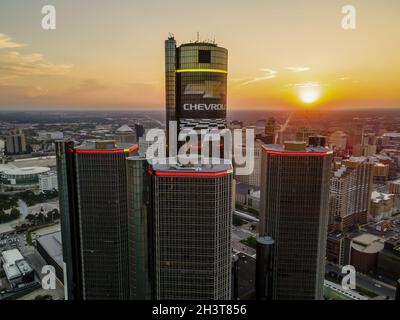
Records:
x=264, y=268
x=294, y=213
x=93, y=205
x=140, y=229
x=192, y=232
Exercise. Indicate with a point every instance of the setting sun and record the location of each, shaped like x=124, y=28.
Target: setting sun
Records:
x=309, y=93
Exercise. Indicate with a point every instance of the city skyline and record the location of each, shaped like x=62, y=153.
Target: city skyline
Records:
x=282, y=54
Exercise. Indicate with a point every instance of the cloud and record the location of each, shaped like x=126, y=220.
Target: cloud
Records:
x=304, y=85
x=15, y=64
x=268, y=74
x=298, y=69
x=7, y=43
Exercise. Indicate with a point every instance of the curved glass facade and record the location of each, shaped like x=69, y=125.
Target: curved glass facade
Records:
x=196, y=81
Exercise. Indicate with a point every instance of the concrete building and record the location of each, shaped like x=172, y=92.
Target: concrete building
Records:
x=383, y=206
x=54, y=135
x=48, y=181
x=15, y=142
x=16, y=268
x=338, y=140
x=350, y=193
x=294, y=212
x=364, y=252
x=253, y=179
x=49, y=247
x=94, y=220
x=394, y=187
x=125, y=134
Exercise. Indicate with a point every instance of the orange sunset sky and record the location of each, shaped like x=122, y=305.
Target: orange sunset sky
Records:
x=282, y=53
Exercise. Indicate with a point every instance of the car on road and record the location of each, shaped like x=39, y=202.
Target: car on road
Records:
x=377, y=285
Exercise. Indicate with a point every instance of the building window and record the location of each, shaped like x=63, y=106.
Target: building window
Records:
x=204, y=56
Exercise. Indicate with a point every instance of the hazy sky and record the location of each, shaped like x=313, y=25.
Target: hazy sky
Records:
x=110, y=53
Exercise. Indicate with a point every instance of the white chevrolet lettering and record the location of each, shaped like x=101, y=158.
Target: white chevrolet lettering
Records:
x=203, y=107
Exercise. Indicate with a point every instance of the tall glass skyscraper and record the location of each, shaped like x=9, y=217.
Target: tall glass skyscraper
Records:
x=196, y=85
x=192, y=209
x=93, y=205
x=294, y=213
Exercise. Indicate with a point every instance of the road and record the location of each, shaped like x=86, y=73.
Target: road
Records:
x=246, y=216
x=368, y=283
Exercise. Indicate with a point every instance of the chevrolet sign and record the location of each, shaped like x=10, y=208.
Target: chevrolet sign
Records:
x=203, y=107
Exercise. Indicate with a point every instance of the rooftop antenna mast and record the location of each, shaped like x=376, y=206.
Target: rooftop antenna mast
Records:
x=198, y=36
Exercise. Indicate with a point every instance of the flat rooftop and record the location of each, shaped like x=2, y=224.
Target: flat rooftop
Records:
x=52, y=244
x=24, y=171
x=295, y=147
x=368, y=243
x=14, y=264
x=104, y=145
x=194, y=168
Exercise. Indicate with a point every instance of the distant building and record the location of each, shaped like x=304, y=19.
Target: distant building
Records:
x=303, y=134
x=253, y=178
x=54, y=135
x=15, y=142
x=383, y=206
x=350, y=193
x=248, y=196
x=394, y=187
x=2, y=147
x=16, y=268
x=338, y=140
x=48, y=182
x=364, y=252
x=139, y=129
x=21, y=178
x=294, y=213
x=125, y=134
x=381, y=173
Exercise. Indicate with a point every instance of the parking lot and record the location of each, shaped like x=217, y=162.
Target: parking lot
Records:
x=14, y=241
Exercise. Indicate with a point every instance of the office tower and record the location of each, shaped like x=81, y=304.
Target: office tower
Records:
x=140, y=233
x=93, y=205
x=338, y=140
x=350, y=193
x=264, y=268
x=317, y=141
x=196, y=85
x=294, y=213
x=303, y=134
x=139, y=129
x=192, y=209
x=252, y=179
x=15, y=142
x=125, y=134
